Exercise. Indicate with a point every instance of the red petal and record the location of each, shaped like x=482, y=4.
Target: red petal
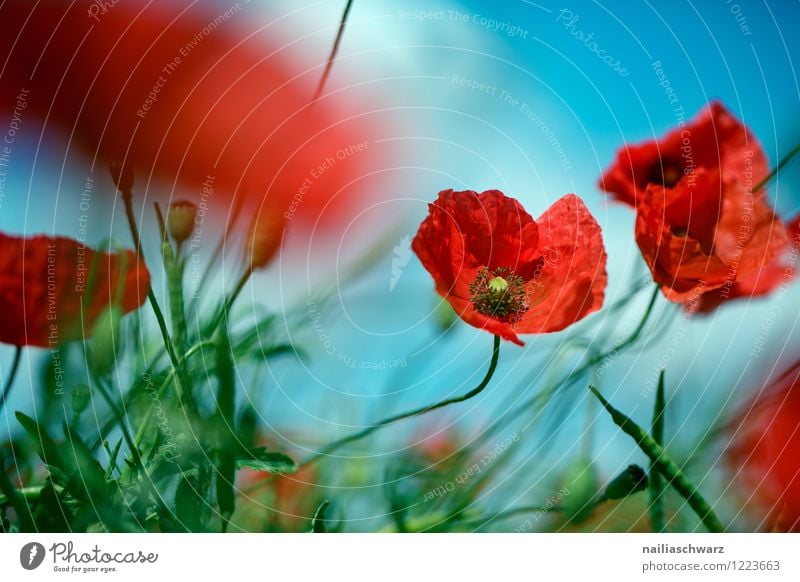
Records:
x=714, y=139
x=572, y=279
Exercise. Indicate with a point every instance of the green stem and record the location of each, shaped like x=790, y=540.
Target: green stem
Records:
x=30, y=494
x=11, y=375
x=787, y=158
x=174, y=267
x=144, y=425
x=665, y=465
x=416, y=412
x=655, y=481
x=334, y=50
x=127, y=199
x=223, y=314
x=534, y=401
x=511, y=513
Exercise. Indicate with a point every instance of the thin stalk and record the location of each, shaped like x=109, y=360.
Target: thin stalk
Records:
x=787, y=158
x=334, y=50
x=416, y=412
x=223, y=314
x=173, y=264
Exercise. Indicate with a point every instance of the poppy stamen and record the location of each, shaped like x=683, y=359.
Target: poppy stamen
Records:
x=500, y=294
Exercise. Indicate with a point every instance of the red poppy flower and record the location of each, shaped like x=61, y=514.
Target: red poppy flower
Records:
x=763, y=455
x=506, y=273
x=186, y=94
x=53, y=289
x=708, y=235
x=715, y=139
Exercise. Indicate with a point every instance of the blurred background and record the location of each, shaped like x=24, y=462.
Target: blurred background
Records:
x=532, y=98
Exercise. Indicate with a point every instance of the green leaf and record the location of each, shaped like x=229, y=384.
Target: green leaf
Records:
x=45, y=446
x=260, y=459
x=656, y=481
x=318, y=523
x=56, y=510
x=112, y=457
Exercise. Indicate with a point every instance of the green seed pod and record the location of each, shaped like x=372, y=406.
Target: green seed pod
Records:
x=81, y=397
x=581, y=488
x=106, y=340
x=630, y=481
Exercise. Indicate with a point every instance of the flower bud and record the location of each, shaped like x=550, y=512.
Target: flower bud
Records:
x=580, y=483
x=265, y=239
x=180, y=220
x=630, y=481
x=122, y=175
x=81, y=397
x=106, y=340
x=445, y=316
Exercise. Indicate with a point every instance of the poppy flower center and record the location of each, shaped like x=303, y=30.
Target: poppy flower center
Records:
x=499, y=293
x=665, y=172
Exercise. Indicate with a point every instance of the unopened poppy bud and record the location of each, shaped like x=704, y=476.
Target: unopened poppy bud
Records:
x=122, y=175
x=580, y=482
x=265, y=239
x=445, y=316
x=81, y=396
x=630, y=481
x=105, y=340
x=180, y=220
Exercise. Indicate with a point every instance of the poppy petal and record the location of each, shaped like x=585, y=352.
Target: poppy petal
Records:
x=572, y=279
x=53, y=289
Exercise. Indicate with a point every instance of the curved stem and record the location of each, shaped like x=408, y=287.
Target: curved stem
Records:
x=573, y=377
x=416, y=412
x=13, y=374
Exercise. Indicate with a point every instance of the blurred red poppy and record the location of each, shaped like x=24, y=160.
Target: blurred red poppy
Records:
x=52, y=290
x=778, y=272
x=506, y=273
x=708, y=235
x=190, y=95
x=715, y=139
x=763, y=455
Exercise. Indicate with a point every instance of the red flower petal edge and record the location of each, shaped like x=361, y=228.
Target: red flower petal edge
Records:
x=714, y=139
x=504, y=272
x=53, y=289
